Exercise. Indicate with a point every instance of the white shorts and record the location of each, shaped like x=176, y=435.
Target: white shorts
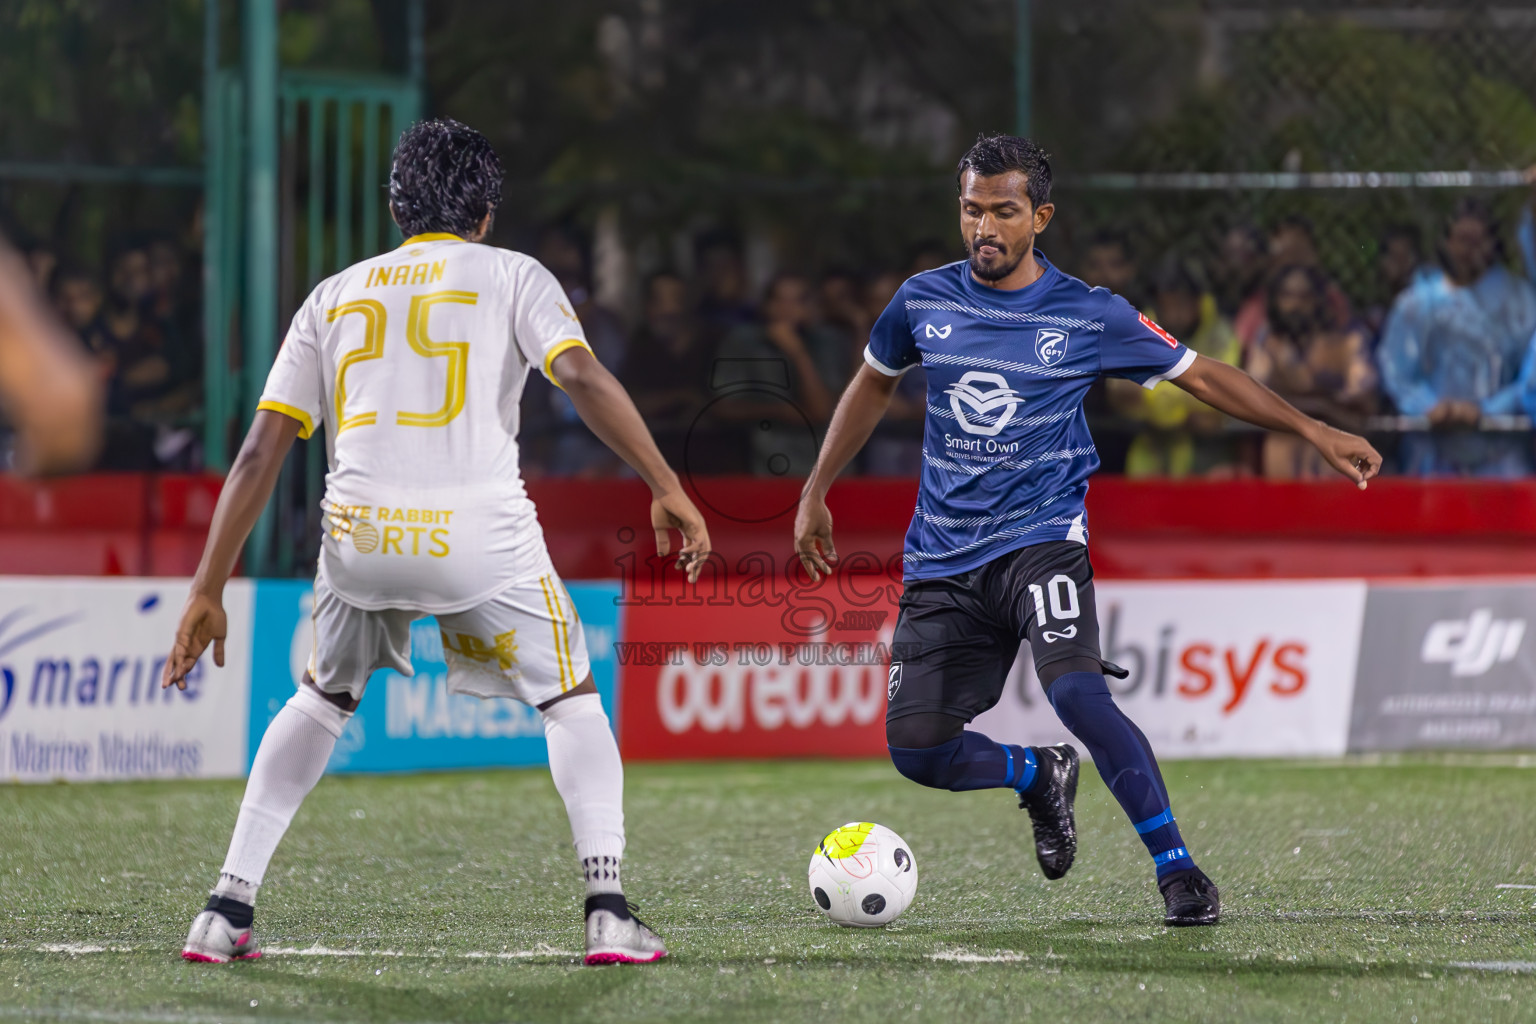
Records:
x=526, y=643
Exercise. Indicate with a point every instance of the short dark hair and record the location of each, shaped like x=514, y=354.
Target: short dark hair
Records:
x=1299, y=222
x=1316, y=280
x=999, y=154
x=1402, y=230
x=1177, y=274
x=1117, y=237
x=1474, y=208
x=445, y=177
x=657, y=276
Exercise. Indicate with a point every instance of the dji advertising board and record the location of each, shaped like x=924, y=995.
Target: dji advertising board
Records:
x=1261, y=669
x=80, y=696
x=1446, y=666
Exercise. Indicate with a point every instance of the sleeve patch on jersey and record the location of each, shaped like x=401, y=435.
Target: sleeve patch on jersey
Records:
x=306, y=425
x=1149, y=325
x=561, y=346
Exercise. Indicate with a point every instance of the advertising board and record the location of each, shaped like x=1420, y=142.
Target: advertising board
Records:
x=80, y=696
x=1218, y=669
x=1446, y=666
x=754, y=668
x=407, y=723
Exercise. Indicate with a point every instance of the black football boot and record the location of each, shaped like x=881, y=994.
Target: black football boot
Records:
x=1190, y=898
x=1049, y=804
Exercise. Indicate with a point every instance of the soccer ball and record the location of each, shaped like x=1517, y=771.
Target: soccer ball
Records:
x=863, y=875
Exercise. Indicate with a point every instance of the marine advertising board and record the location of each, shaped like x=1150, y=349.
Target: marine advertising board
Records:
x=1446, y=666
x=80, y=696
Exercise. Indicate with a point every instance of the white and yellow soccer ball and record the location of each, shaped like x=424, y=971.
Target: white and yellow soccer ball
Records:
x=863, y=875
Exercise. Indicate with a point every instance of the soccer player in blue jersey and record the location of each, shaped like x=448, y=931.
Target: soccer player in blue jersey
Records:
x=997, y=550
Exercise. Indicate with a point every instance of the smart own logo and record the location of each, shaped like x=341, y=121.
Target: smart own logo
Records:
x=979, y=394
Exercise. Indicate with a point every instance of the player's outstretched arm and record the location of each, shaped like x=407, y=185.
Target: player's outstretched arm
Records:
x=47, y=387
x=245, y=494
x=1235, y=393
x=857, y=414
x=604, y=405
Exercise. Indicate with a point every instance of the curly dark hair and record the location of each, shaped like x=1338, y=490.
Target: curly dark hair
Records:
x=445, y=177
x=999, y=154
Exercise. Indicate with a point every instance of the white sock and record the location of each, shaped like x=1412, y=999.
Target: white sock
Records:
x=237, y=889
x=584, y=762
x=289, y=762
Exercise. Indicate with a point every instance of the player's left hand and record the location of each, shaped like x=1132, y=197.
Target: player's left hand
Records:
x=813, y=537
x=1349, y=454
x=202, y=622
x=673, y=511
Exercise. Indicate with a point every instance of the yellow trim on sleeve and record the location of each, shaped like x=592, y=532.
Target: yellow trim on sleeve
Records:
x=306, y=425
x=561, y=346
x=432, y=236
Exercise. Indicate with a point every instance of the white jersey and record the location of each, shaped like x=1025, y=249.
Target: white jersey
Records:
x=415, y=362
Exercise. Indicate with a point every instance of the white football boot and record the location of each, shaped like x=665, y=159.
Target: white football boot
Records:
x=617, y=936
x=213, y=940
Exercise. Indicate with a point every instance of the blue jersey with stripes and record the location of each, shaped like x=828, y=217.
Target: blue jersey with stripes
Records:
x=1006, y=448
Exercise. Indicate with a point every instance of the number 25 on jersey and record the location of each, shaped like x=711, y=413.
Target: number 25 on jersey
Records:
x=375, y=324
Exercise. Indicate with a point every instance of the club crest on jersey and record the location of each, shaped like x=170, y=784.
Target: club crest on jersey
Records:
x=930, y=331
x=1050, y=345
x=970, y=403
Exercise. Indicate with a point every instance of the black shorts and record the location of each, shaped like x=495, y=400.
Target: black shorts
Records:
x=957, y=636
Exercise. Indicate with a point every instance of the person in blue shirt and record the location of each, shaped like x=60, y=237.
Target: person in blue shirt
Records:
x=997, y=549
x=1454, y=349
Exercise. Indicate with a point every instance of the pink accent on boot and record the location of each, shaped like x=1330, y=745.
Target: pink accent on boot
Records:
x=597, y=959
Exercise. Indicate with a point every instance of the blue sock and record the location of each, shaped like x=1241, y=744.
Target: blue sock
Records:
x=1125, y=761
x=969, y=761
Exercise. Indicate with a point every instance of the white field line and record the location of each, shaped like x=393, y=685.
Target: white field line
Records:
x=1500, y=966
x=1513, y=885
x=960, y=956
x=809, y=925
x=540, y=951
x=131, y=1017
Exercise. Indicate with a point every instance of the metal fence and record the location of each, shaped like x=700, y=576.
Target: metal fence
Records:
x=1358, y=116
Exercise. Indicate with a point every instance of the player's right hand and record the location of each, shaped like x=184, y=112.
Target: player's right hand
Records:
x=673, y=511
x=202, y=621
x=813, y=537
x=1349, y=454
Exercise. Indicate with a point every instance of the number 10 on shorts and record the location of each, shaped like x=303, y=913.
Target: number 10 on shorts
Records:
x=1063, y=598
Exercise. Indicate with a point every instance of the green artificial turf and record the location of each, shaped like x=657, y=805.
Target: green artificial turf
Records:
x=1358, y=890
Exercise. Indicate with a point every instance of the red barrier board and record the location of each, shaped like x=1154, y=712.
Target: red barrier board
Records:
x=1146, y=529
x=756, y=668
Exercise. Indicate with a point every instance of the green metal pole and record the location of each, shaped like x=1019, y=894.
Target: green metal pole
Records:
x=215, y=322
x=1022, y=66
x=416, y=59
x=260, y=306
x=314, y=262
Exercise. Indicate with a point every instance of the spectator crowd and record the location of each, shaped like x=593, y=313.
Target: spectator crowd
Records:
x=1440, y=364
x=139, y=320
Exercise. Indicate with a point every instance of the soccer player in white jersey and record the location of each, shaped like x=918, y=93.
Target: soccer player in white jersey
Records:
x=414, y=361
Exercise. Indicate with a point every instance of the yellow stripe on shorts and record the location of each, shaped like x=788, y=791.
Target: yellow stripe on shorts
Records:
x=554, y=625
x=568, y=659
